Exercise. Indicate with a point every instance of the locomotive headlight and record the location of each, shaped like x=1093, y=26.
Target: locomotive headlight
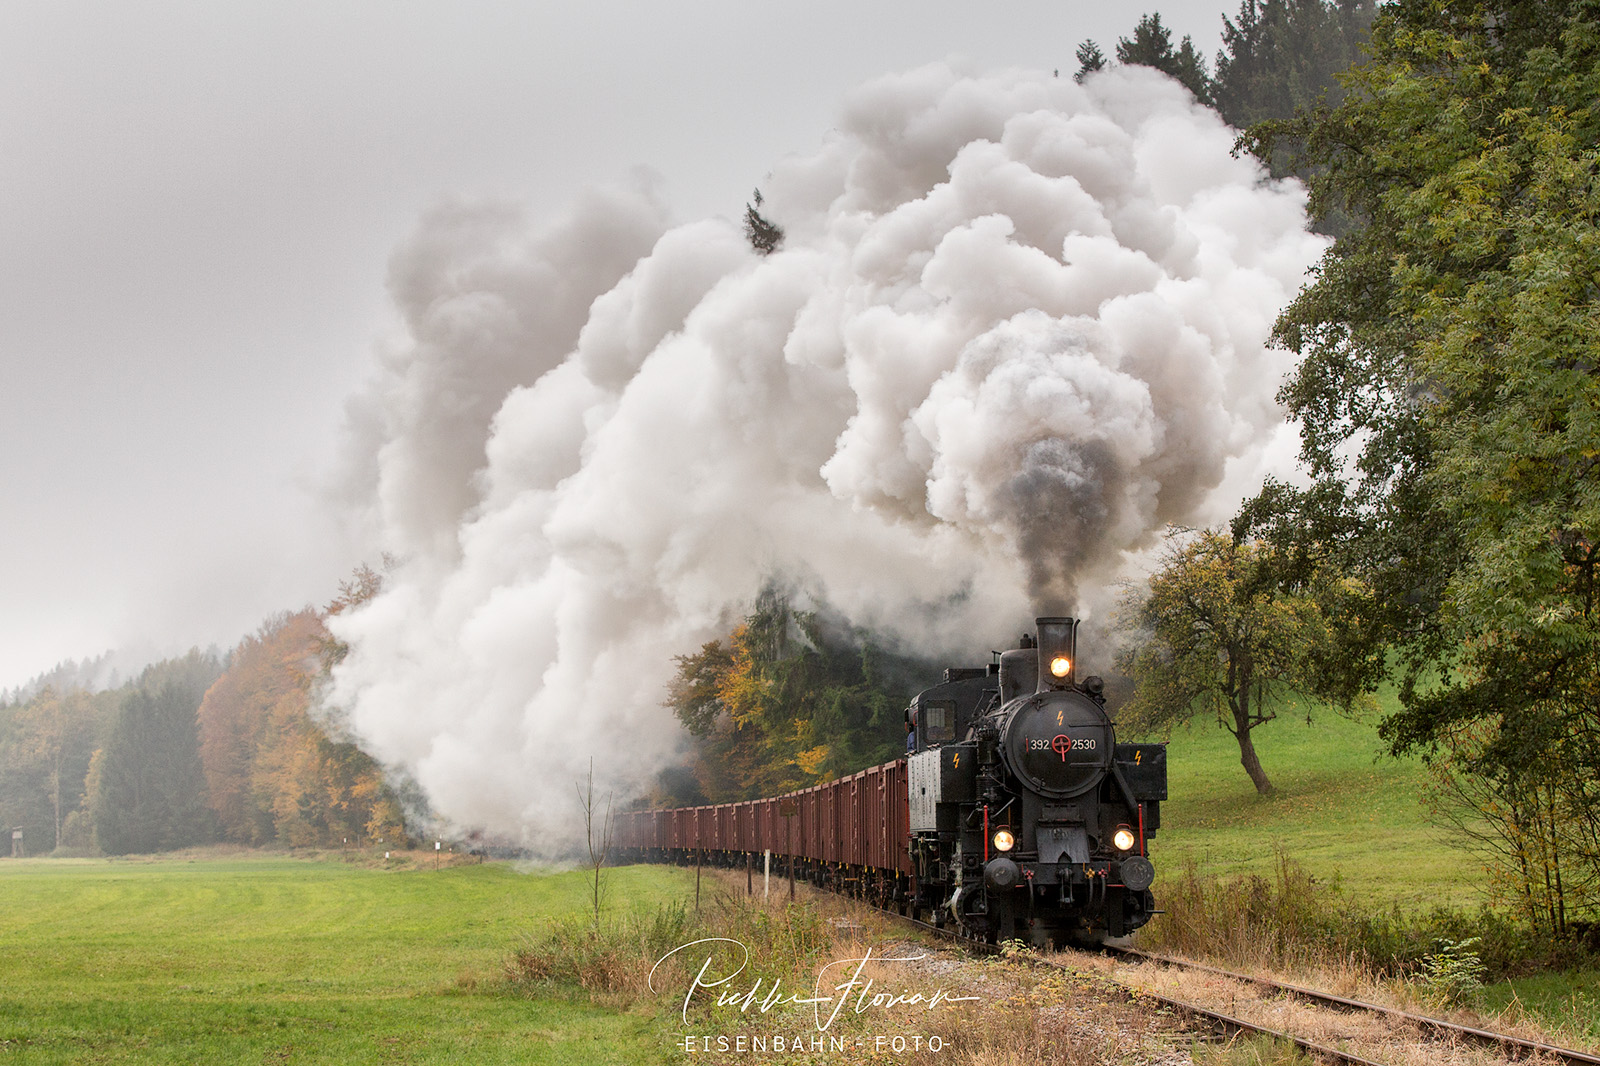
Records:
x=1123, y=838
x=1060, y=666
x=1004, y=841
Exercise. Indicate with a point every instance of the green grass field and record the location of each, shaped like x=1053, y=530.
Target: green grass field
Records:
x=1341, y=809
x=265, y=958
x=1351, y=816
x=268, y=959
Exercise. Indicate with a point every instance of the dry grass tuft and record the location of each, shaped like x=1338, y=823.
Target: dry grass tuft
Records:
x=1057, y=1018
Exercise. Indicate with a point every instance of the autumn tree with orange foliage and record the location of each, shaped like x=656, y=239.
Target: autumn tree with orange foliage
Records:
x=253, y=710
x=273, y=772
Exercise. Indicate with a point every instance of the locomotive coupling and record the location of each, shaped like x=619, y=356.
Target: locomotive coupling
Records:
x=1002, y=873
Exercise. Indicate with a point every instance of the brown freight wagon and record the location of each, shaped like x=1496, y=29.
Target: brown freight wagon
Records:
x=850, y=833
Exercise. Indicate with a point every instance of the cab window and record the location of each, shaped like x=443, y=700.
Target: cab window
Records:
x=938, y=722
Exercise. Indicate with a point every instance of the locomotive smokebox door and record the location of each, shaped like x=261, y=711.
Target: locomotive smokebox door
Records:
x=1058, y=652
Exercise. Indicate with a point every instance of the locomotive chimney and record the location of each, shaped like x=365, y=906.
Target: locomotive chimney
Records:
x=1058, y=652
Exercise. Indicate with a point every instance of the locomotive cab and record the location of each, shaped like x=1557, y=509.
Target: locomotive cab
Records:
x=945, y=713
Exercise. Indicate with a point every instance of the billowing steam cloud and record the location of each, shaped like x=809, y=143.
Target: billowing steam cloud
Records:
x=1017, y=325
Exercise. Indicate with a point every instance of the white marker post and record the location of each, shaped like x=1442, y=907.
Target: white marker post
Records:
x=766, y=876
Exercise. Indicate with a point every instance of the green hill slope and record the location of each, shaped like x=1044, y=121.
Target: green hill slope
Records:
x=1343, y=809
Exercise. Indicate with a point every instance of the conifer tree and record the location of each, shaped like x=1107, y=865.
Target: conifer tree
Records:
x=151, y=790
x=1151, y=46
x=763, y=234
x=1279, y=56
x=1090, y=59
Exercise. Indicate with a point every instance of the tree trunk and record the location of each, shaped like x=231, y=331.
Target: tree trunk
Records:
x=1247, y=755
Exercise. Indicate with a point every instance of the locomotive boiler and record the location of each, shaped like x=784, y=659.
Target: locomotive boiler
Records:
x=1026, y=819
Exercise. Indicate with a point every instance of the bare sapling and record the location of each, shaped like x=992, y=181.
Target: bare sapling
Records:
x=597, y=838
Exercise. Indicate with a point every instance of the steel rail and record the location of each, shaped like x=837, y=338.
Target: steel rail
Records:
x=1321, y=1051
x=941, y=931
x=1483, y=1036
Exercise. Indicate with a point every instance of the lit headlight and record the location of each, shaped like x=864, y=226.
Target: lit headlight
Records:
x=1004, y=841
x=1123, y=838
x=1060, y=666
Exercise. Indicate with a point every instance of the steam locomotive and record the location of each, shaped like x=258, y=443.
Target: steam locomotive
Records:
x=1015, y=814
x=1027, y=819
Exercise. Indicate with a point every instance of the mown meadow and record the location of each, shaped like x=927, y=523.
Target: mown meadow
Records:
x=274, y=959
x=191, y=958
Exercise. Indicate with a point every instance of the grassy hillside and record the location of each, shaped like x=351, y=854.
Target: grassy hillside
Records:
x=1351, y=816
x=1342, y=809
x=271, y=959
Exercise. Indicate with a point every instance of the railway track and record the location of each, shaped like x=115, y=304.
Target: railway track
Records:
x=1513, y=1047
x=1216, y=1019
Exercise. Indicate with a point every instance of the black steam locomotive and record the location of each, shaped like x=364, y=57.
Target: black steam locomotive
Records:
x=1015, y=813
x=1026, y=818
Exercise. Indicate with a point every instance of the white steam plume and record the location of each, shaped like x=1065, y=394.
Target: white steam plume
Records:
x=1017, y=325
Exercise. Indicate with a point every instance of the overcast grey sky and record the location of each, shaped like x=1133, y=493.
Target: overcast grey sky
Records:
x=197, y=202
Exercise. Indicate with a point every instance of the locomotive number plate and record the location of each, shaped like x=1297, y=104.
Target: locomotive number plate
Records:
x=1061, y=744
